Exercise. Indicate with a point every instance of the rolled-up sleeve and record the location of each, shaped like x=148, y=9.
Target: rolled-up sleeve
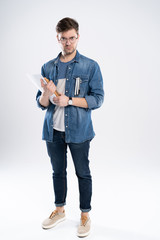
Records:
x=38, y=103
x=95, y=97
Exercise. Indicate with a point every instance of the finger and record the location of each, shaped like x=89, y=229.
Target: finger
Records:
x=52, y=83
x=49, y=85
x=55, y=99
x=42, y=84
x=46, y=80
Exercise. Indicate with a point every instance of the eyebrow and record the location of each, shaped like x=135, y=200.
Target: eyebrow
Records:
x=69, y=37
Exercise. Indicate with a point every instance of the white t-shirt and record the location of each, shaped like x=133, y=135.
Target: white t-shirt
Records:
x=58, y=116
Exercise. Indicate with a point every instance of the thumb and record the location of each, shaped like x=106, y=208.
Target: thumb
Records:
x=42, y=84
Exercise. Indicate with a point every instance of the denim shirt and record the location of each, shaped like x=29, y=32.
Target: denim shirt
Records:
x=78, y=122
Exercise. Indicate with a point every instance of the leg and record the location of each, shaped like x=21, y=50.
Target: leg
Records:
x=81, y=162
x=57, y=151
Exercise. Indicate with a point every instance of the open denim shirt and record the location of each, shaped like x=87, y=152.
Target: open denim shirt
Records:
x=78, y=122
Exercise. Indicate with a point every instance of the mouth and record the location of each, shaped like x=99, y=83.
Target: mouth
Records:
x=69, y=50
x=68, y=47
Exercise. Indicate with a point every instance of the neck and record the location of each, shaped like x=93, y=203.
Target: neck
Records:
x=67, y=57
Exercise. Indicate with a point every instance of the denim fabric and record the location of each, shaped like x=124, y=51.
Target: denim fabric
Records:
x=57, y=151
x=78, y=122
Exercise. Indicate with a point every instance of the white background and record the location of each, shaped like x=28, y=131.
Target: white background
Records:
x=123, y=37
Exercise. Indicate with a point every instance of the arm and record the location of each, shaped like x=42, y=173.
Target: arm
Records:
x=48, y=90
x=44, y=100
x=79, y=102
x=62, y=101
x=96, y=95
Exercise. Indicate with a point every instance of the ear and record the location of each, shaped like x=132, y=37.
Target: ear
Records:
x=57, y=37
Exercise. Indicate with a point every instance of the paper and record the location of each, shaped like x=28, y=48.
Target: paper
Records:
x=35, y=79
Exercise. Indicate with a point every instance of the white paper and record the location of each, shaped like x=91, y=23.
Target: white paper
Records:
x=35, y=79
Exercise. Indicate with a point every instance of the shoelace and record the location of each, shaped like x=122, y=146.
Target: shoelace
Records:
x=84, y=220
x=53, y=214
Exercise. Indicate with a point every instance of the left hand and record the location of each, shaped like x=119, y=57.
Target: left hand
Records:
x=61, y=101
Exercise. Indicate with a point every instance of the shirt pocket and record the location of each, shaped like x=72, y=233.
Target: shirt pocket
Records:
x=80, y=85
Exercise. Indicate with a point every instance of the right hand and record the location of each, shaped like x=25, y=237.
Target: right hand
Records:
x=48, y=88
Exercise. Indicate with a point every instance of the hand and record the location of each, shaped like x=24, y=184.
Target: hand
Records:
x=48, y=88
x=61, y=100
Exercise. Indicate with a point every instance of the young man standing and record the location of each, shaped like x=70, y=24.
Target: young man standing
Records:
x=67, y=122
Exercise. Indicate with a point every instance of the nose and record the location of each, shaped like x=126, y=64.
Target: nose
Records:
x=68, y=42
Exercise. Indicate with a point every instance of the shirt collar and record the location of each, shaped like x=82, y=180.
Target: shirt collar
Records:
x=76, y=58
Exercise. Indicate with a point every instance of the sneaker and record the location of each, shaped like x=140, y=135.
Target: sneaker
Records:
x=84, y=227
x=55, y=218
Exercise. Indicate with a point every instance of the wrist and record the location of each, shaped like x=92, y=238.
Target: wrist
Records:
x=45, y=94
x=70, y=101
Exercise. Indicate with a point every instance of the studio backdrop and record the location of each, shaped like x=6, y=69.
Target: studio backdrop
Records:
x=123, y=37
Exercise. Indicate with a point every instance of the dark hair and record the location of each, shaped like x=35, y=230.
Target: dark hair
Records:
x=66, y=24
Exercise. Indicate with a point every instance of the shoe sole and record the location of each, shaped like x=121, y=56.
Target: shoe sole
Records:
x=83, y=234
x=53, y=225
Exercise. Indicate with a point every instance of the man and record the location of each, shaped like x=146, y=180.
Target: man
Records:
x=67, y=122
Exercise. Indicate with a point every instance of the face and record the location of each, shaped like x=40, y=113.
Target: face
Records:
x=68, y=41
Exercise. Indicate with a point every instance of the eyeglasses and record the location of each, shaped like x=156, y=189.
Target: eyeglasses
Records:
x=71, y=39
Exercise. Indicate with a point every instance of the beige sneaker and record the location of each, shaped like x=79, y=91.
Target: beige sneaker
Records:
x=84, y=227
x=55, y=218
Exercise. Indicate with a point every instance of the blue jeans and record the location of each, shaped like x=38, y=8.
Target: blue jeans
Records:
x=57, y=151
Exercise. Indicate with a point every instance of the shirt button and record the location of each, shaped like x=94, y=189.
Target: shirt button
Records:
x=66, y=126
x=66, y=90
x=66, y=115
x=67, y=79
